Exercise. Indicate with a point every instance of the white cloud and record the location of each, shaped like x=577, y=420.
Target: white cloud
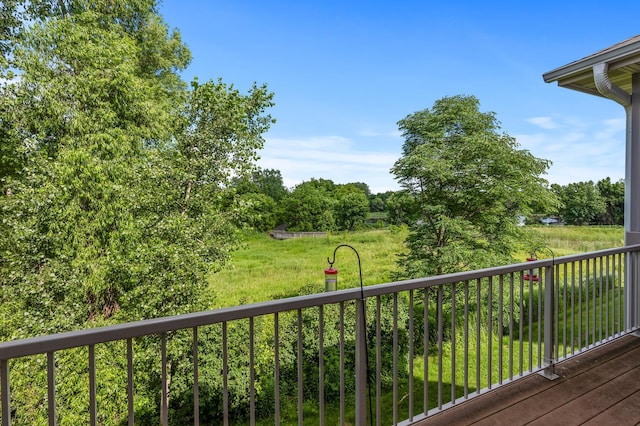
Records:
x=376, y=134
x=543, y=122
x=612, y=128
x=330, y=157
x=580, y=151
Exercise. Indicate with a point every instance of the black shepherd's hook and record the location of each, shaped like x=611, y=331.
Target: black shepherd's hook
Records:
x=331, y=262
x=364, y=321
x=539, y=248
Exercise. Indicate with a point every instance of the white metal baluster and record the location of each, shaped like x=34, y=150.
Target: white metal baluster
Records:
x=252, y=378
x=573, y=307
x=92, y=385
x=594, y=301
x=196, y=379
x=425, y=340
x=130, y=410
x=6, y=396
x=556, y=310
x=342, y=384
x=540, y=316
x=620, y=297
x=521, y=327
x=440, y=348
x=276, y=369
x=601, y=297
x=411, y=352
x=564, y=304
x=586, y=318
x=531, y=320
x=608, y=331
x=225, y=376
x=490, y=334
x=321, y=361
x=51, y=388
x=478, y=322
x=466, y=341
x=300, y=377
x=361, y=366
x=164, y=409
x=580, y=345
x=395, y=358
x=378, y=363
x=500, y=325
x=549, y=324
x=511, y=326
x=453, y=343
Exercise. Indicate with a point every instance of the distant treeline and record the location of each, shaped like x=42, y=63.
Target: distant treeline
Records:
x=322, y=205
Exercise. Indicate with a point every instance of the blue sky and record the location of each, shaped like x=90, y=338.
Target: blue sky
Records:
x=345, y=72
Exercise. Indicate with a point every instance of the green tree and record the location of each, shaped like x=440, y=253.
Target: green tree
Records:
x=310, y=206
x=613, y=195
x=256, y=211
x=269, y=182
x=378, y=202
x=351, y=207
x=116, y=180
x=466, y=184
x=581, y=202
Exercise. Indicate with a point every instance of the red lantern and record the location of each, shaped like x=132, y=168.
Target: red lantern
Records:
x=330, y=279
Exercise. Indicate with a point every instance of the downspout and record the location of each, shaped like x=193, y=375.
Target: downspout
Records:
x=631, y=104
x=607, y=88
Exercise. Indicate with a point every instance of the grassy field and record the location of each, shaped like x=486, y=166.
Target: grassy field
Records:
x=267, y=269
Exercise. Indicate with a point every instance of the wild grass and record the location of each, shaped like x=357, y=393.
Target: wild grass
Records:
x=267, y=269
x=565, y=240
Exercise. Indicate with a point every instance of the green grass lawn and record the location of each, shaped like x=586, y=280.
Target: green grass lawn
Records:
x=267, y=269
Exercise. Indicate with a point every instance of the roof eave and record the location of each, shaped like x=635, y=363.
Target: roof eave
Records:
x=620, y=53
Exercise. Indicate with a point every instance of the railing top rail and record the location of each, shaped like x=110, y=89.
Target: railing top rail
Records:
x=71, y=339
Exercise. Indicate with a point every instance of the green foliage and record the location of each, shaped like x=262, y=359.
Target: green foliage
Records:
x=256, y=211
x=269, y=182
x=321, y=205
x=351, y=207
x=309, y=207
x=613, y=195
x=581, y=202
x=464, y=186
x=116, y=181
x=378, y=202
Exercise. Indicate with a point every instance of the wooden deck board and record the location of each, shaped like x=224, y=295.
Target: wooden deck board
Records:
x=601, y=386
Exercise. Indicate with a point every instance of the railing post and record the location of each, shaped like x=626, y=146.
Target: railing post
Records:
x=631, y=204
x=631, y=291
x=549, y=322
x=361, y=364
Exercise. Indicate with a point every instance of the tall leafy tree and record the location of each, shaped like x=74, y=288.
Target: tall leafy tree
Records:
x=466, y=184
x=115, y=178
x=581, y=202
x=310, y=206
x=613, y=195
x=112, y=192
x=351, y=206
x=269, y=182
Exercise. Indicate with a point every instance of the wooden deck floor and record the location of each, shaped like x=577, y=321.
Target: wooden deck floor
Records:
x=599, y=387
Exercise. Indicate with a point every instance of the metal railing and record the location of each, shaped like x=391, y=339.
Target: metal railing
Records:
x=402, y=353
